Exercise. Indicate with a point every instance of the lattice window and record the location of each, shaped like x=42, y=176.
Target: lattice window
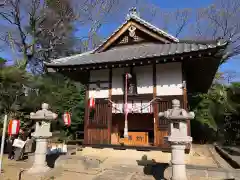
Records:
x=124, y=40
x=137, y=38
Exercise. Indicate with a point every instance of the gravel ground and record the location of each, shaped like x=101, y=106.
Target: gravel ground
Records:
x=110, y=167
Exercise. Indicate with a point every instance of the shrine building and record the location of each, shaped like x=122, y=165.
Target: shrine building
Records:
x=146, y=67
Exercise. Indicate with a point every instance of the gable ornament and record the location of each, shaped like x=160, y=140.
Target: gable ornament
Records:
x=132, y=30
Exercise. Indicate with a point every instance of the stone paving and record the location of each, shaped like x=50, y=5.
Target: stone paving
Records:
x=111, y=175
x=100, y=168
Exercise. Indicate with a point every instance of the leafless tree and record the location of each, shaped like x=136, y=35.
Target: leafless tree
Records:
x=220, y=20
x=26, y=23
x=47, y=26
x=2, y=2
x=229, y=76
x=40, y=30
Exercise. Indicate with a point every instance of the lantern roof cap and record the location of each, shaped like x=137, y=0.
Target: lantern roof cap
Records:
x=177, y=113
x=43, y=114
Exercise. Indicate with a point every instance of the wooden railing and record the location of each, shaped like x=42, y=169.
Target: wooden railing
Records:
x=135, y=106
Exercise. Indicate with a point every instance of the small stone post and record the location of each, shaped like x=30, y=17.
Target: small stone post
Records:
x=178, y=138
x=42, y=132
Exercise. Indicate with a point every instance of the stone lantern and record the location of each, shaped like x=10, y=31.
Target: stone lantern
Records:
x=42, y=133
x=178, y=137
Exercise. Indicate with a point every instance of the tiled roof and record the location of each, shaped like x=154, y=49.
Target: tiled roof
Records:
x=133, y=52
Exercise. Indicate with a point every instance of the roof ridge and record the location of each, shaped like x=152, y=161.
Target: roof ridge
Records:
x=150, y=25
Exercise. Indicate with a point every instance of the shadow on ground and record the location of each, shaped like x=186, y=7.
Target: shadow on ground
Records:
x=151, y=167
x=51, y=159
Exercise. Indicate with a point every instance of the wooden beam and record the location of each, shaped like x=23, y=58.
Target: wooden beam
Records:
x=114, y=37
x=155, y=106
x=110, y=107
x=147, y=31
x=185, y=97
x=95, y=82
x=154, y=77
x=86, y=113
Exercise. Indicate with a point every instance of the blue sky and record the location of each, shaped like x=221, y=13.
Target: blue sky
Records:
x=182, y=3
x=232, y=65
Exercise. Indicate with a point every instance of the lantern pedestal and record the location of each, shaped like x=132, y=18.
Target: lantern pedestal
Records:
x=42, y=133
x=40, y=164
x=178, y=160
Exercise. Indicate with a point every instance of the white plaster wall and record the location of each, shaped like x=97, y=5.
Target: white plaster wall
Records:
x=144, y=76
x=101, y=75
x=117, y=80
x=169, y=79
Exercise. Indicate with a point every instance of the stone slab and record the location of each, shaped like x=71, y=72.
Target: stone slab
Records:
x=74, y=176
x=113, y=175
x=142, y=177
x=24, y=175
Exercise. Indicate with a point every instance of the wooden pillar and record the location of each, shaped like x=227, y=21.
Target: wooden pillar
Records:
x=185, y=106
x=185, y=97
x=110, y=106
x=86, y=112
x=155, y=105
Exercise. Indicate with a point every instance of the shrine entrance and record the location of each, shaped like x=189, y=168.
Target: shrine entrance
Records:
x=140, y=130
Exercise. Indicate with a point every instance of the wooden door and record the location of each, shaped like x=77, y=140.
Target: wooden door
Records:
x=99, y=126
x=161, y=124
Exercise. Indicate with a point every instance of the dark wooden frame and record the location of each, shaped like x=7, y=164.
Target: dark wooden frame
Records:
x=86, y=119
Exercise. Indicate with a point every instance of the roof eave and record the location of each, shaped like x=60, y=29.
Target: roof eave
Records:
x=218, y=48
x=63, y=59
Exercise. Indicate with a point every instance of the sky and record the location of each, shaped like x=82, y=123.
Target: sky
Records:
x=232, y=65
